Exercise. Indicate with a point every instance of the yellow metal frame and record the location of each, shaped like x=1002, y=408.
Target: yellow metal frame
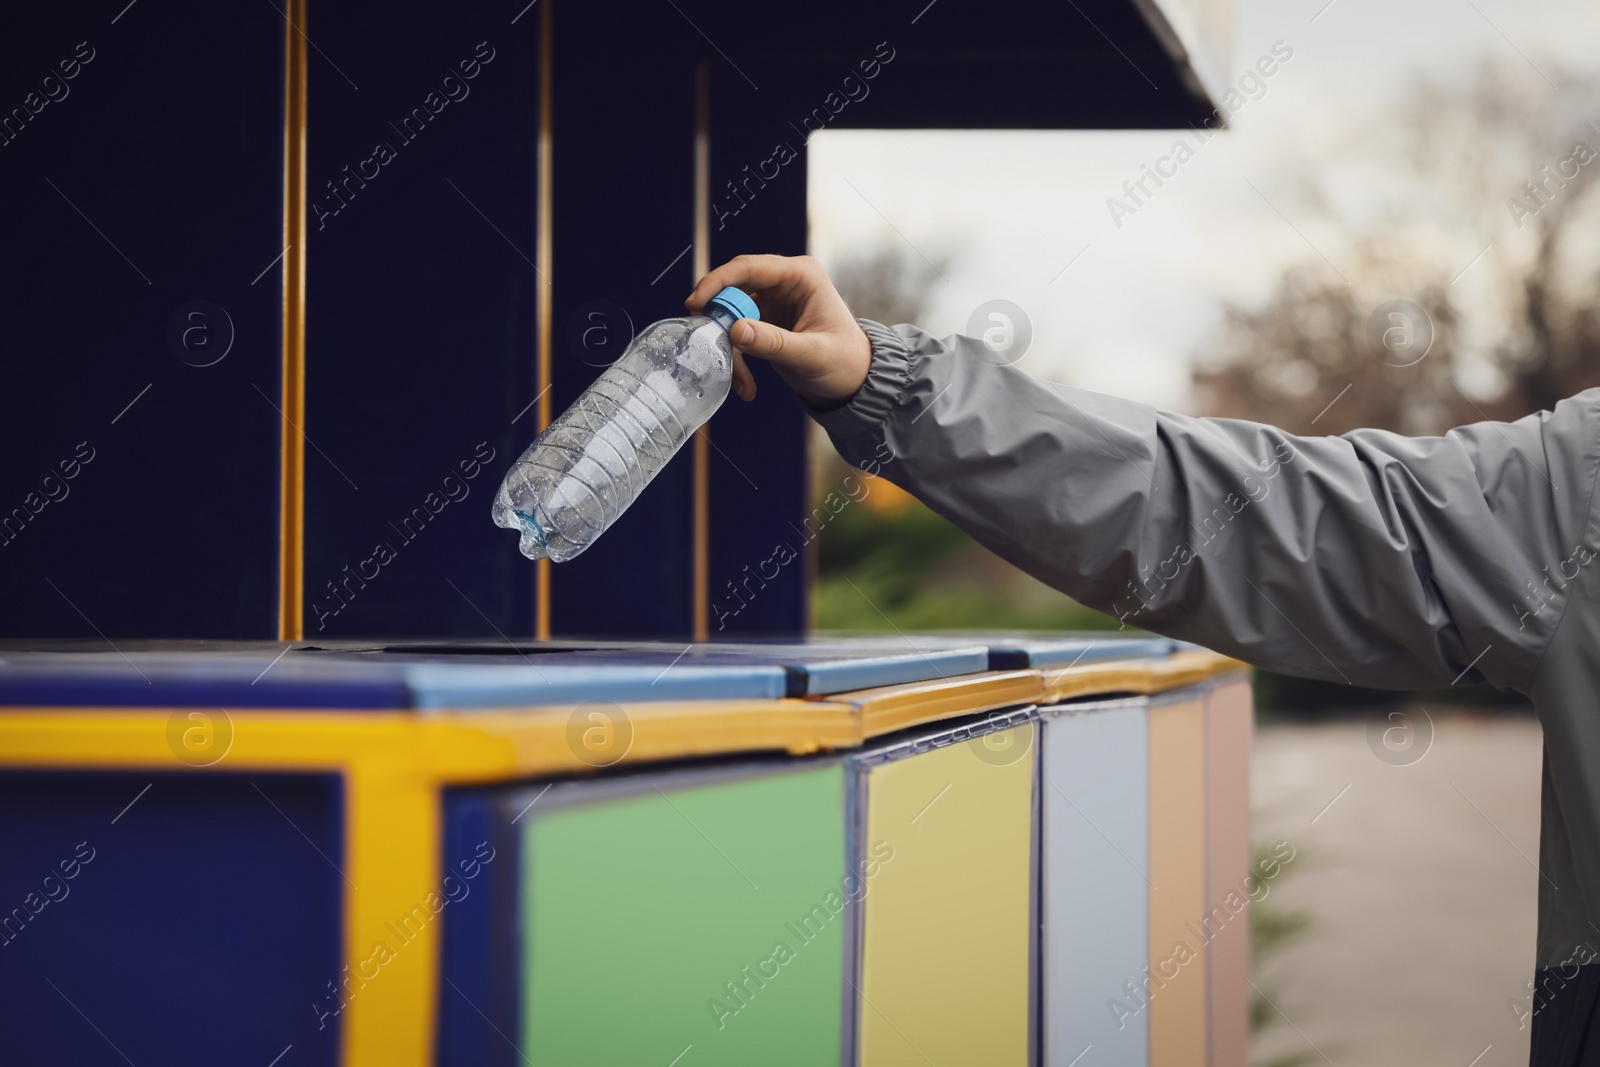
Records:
x=896, y=707
x=394, y=764
x=1136, y=676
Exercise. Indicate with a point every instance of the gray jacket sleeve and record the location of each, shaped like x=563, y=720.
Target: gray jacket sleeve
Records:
x=1371, y=558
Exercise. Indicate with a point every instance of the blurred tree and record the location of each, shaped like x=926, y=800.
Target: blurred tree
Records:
x=888, y=563
x=1497, y=155
x=888, y=284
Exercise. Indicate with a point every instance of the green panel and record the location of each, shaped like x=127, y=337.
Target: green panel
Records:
x=641, y=911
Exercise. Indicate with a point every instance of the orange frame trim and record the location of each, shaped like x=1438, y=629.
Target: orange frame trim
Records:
x=544, y=253
x=292, y=393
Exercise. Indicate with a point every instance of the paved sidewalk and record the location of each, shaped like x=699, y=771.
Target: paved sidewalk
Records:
x=1420, y=882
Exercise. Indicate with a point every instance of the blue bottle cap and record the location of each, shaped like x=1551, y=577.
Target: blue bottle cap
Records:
x=735, y=302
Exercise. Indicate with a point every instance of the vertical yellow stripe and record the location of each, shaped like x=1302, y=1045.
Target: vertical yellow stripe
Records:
x=702, y=439
x=391, y=942
x=292, y=397
x=544, y=252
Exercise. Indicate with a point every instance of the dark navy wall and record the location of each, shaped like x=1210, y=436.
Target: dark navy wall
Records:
x=623, y=126
x=146, y=192
x=147, y=215
x=420, y=314
x=759, y=550
x=480, y=998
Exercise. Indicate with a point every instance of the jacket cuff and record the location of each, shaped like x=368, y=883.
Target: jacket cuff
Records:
x=888, y=378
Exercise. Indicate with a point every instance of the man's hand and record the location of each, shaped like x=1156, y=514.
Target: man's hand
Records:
x=806, y=332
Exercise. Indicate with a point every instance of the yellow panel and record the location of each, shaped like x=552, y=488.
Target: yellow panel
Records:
x=1177, y=975
x=1136, y=676
x=896, y=707
x=946, y=931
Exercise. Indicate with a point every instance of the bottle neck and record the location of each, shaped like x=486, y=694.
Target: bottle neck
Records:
x=721, y=316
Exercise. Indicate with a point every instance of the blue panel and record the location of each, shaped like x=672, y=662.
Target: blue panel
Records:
x=194, y=680
x=815, y=667
x=420, y=314
x=1068, y=650
x=480, y=977
x=623, y=165
x=820, y=668
x=1095, y=897
x=139, y=490
x=204, y=927
x=368, y=681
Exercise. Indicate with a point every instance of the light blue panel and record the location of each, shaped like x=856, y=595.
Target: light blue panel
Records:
x=1095, y=897
x=605, y=678
x=825, y=666
x=814, y=666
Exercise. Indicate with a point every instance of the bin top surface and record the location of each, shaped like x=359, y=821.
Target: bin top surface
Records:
x=463, y=674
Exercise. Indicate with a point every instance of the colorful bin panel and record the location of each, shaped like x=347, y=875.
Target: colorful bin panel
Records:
x=161, y=918
x=697, y=914
x=1095, y=891
x=1177, y=964
x=1227, y=920
x=947, y=937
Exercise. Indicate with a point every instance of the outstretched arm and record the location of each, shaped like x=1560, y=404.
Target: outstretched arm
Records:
x=1372, y=559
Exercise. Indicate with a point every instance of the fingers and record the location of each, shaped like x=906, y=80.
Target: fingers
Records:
x=752, y=272
x=766, y=341
x=744, y=383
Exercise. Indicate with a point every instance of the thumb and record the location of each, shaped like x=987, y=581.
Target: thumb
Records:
x=766, y=341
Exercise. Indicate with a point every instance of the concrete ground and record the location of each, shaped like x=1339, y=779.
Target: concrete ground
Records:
x=1418, y=877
